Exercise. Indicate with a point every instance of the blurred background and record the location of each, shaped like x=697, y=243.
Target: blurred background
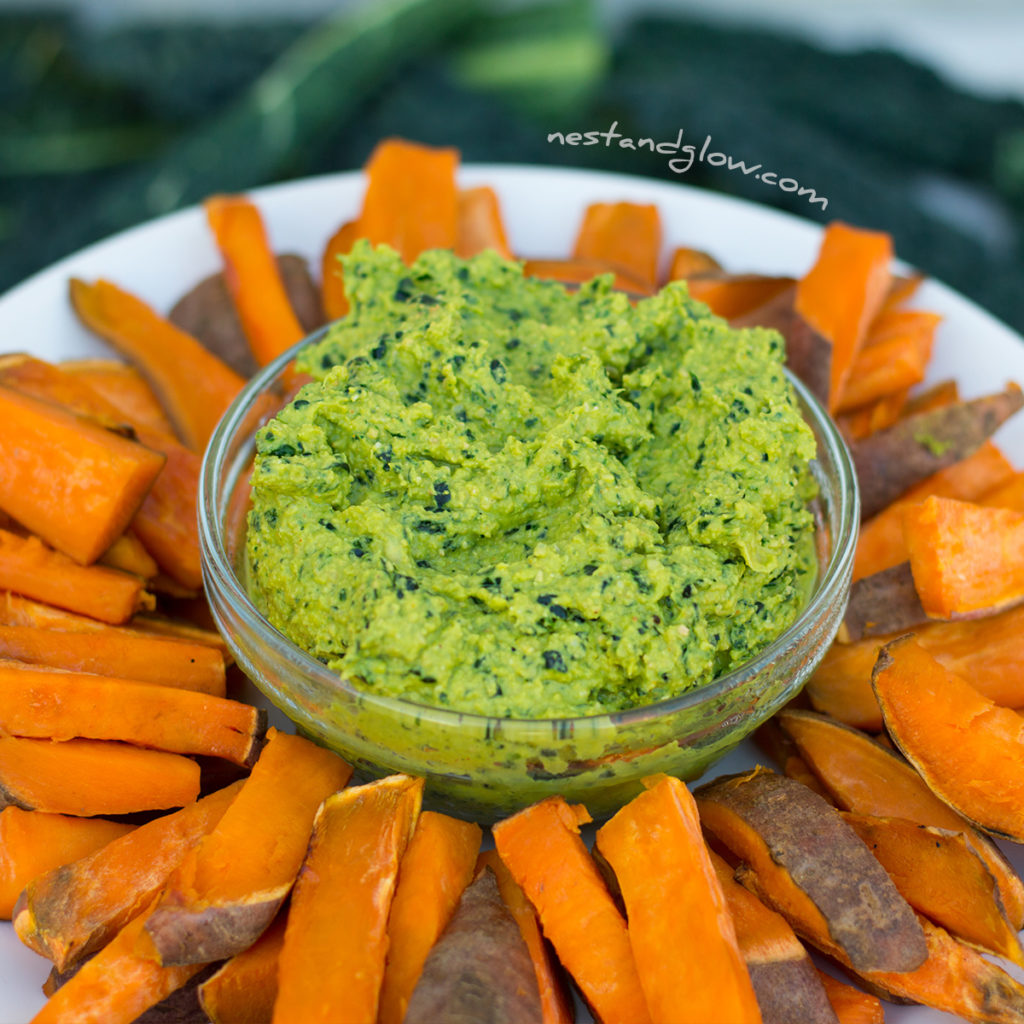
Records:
x=908, y=115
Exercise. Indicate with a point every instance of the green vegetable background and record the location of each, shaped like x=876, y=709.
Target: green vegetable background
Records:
x=102, y=129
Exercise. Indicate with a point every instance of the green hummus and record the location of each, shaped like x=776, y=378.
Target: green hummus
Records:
x=503, y=497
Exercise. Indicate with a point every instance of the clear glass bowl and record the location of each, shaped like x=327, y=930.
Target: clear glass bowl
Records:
x=486, y=768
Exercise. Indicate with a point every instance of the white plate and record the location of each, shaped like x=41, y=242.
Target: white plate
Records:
x=542, y=208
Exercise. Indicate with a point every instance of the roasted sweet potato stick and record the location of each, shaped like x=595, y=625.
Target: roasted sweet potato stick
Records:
x=969, y=751
x=866, y=778
x=736, y=295
x=67, y=705
x=436, y=868
x=332, y=963
x=245, y=988
x=194, y=386
x=230, y=886
x=579, y=271
x=252, y=277
x=902, y=288
x=119, y=652
x=129, y=554
x=841, y=294
x=851, y=1005
x=480, y=226
x=894, y=357
x=787, y=985
x=942, y=876
x=33, y=843
x=556, y=1005
x=655, y=847
x=878, y=415
x=543, y=850
x=624, y=235
x=118, y=984
x=892, y=461
x=967, y=559
x=686, y=263
x=125, y=389
x=880, y=544
x=989, y=652
x=946, y=392
x=884, y=602
x=411, y=200
x=480, y=968
x=68, y=480
x=333, y=285
x=783, y=830
x=92, y=777
x=70, y=912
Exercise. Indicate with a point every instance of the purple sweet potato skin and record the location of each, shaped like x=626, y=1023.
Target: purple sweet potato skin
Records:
x=790, y=990
x=479, y=971
x=884, y=602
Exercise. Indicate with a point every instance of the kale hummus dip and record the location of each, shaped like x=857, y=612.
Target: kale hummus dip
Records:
x=502, y=497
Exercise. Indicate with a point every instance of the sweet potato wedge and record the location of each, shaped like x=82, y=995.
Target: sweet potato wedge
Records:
x=892, y=461
x=867, y=778
x=70, y=912
x=92, y=777
x=686, y=262
x=787, y=986
x=555, y=1001
x=230, y=886
x=885, y=602
x=332, y=287
x=480, y=225
x=542, y=848
x=625, y=235
x=851, y=1005
x=33, y=843
x=332, y=962
x=437, y=866
x=655, y=848
x=818, y=871
x=968, y=750
x=942, y=876
x=243, y=990
x=124, y=388
x=966, y=559
x=480, y=968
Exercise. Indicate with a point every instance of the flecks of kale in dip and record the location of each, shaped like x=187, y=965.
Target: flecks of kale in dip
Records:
x=502, y=497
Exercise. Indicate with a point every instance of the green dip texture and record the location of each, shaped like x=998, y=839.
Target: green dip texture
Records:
x=502, y=497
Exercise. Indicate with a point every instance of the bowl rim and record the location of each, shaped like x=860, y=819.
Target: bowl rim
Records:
x=219, y=572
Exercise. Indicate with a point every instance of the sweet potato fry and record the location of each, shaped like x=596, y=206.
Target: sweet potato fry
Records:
x=128, y=554
x=17, y=610
x=70, y=912
x=33, y=843
x=244, y=989
x=877, y=415
x=68, y=480
x=556, y=1004
x=884, y=602
x=687, y=262
x=231, y=885
x=333, y=285
x=902, y=288
x=194, y=386
x=207, y=312
x=894, y=357
x=940, y=875
x=578, y=271
x=989, y=652
x=118, y=652
x=841, y=294
x=480, y=226
x=892, y=461
x=866, y=778
x=411, y=200
x=125, y=389
x=787, y=986
x=739, y=295
x=655, y=847
x=68, y=705
x=624, y=235
x=480, y=968
x=969, y=751
x=437, y=866
x=851, y=1005
x=880, y=544
x=946, y=392
x=967, y=559
x=92, y=777
x=782, y=830
x=252, y=276
x=332, y=962
x=543, y=850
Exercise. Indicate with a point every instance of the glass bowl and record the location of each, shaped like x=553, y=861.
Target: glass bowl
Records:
x=486, y=768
